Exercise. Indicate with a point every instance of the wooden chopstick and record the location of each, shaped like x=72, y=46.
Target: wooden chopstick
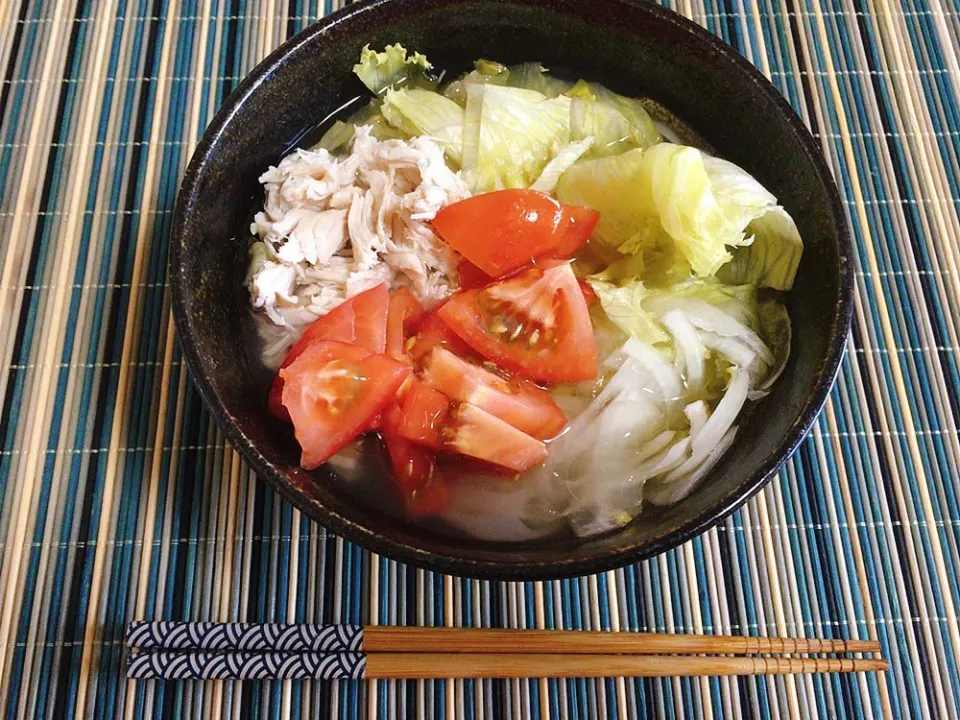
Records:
x=415, y=666
x=184, y=636
x=385, y=639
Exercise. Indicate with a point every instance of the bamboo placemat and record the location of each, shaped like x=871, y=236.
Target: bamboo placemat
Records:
x=120, y=500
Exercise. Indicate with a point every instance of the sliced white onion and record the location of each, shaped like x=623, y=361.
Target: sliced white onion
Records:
x=707, y=317
x=698, y=415
x=687, y=341
x=629, y=419
x=587, y=523
x=576, y=441
x=724, y=415
x=632, y=380
x=500, y=510
x=657, y=444
x=668, y=493
x=572, y=404
x=665, y=461
x=679, y=360
x=349, y=462
x=731, y=348
x=662, y=370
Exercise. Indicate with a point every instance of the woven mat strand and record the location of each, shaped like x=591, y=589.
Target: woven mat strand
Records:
x=120, y=500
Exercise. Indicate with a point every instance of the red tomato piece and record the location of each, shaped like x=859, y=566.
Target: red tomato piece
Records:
x=471, y=276
x=435, y=332
x=332, y=391
x=502, y=231
x=370, y=310
x=335, y=325
x=519, y=403
x=577, y=225
x=423, y=414
x=404, y=315
x=428, y=418
x=417, y=476
x=589, y=296
x=478, y=434
x=535, y=324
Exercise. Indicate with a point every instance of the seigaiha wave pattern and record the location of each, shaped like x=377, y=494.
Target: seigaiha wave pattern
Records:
x=245, y=666
x=245, y=636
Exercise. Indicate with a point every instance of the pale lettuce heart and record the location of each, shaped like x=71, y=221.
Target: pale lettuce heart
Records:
x=510, y=134
x=424, y=112
x=706, y=206
x=616, y=123
x=624, y=306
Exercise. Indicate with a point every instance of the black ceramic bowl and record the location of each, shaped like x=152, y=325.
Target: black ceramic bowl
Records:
x=637, y=49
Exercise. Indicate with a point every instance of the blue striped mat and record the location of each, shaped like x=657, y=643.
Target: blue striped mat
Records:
x=121, y=501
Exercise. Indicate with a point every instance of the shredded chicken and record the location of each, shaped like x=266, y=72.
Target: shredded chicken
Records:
x=332, y=227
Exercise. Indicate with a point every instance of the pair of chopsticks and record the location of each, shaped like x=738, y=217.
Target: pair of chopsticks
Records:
x=199, y=650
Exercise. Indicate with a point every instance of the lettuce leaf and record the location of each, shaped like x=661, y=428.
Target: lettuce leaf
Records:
x=620, y=190
x=617, y=123
x=561, y=161
x=704, y=205
x=392, y=67
x=737, y=192
x=533, y=76
x=337, y=136
x=492, y=70
x=510, y=134
x=424, y=112
x=583, y=90
x=659, y=263
x=773, y=258
x=738, y=301
x=341, y=133
x=687, y=207
x=624, y=306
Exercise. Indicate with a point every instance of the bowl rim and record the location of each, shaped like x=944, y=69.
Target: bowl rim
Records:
x=486, y=569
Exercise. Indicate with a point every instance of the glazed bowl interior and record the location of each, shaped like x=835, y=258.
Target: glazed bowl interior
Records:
x=637, y=49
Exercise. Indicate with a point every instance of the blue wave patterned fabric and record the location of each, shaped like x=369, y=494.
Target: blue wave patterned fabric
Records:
x=302, y=637
x=246, y=666
x=119, y=499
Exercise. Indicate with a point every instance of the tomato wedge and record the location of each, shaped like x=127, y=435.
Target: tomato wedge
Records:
x=336, y=325
x=577, y=224
x=502, y=231
x=370, y=309
x=535, y=324
x=332, y=391
x=480, y=435
x=470, y=276
x=421, y=415
x=427, y=417
x=417, y=476
x=404, y=315
x=435, y=332
x=342, y=324
x=519, y=403
x=589, y=295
